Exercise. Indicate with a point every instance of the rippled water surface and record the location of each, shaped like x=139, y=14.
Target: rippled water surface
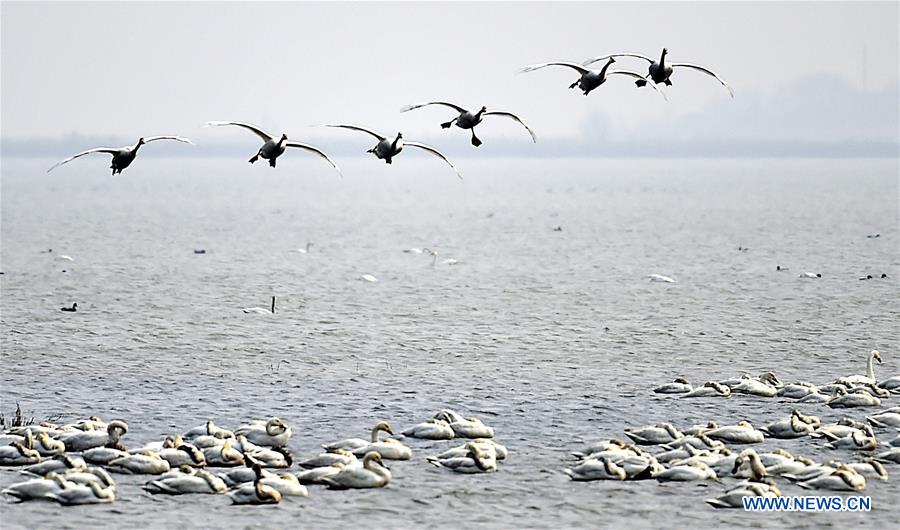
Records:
x=552, y=337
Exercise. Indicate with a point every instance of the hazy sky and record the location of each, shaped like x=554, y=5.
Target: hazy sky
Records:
x=150, y=68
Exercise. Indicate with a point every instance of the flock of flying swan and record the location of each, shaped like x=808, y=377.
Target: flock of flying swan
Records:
x=74, y=464
x=659, y=72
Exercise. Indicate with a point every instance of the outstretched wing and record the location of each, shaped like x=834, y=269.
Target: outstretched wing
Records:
x=108, y=150
x=315, y=150
x=706, y=71
x=256, y=130
x=636, y=75
x=435, y=152
x=148, y=139
x=624, y=54
x=444, y=103
x=355, y=128
x=581, y=69
x=514, y=117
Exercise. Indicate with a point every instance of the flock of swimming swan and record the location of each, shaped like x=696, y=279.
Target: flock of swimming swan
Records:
x=699, y=453
x=388, y=147
x=73, y=464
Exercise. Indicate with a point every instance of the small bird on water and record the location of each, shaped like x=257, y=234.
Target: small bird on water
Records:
x=70, y=309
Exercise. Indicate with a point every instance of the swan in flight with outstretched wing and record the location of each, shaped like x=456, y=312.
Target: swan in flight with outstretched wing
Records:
x=386, y=149
x=271, y=148
x=468, y=119
x=122, y=157
x=591, y=79
x=660, y=71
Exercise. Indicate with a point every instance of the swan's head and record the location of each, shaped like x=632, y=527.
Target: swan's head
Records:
x=372, y=456
x=877, y=356
x=383, y=426
x=611, y=60
x=118, y=426
x=275, y=426
x=665, y=51
x=196, y=455
x=682, y=380
x=878, y=468
x=483, y=109
x=141, y=141
x=745, y=424
x=283, y=137
x=288, y=456
x=399, y=136
x=770, y=378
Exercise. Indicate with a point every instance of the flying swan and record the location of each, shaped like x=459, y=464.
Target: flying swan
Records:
x=272, y=149
x=122, y=157
x=386, y=149
x=468, y=119
x=660, y=71
x=591, y=79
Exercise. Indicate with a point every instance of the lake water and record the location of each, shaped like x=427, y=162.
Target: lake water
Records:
x=552, y=337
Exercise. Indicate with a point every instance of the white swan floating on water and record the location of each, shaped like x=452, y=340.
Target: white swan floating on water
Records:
x=869, y=378
x=261, y=310
x=352, y=444
x=271, y=433
x=371, y=474
x=475, y=461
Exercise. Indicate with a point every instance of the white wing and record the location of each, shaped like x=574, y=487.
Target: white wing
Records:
x=435, y=152
x=315, y=150
x=581, y=69
x=256, y=130
x=148, y=139
x=639, y=76
x=706, y=71
x=625, y=54
x=108, y=150
x=355, y=128
x=444, y=103
x=516, y=118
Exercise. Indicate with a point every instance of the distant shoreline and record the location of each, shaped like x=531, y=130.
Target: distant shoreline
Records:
x=554, y=148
